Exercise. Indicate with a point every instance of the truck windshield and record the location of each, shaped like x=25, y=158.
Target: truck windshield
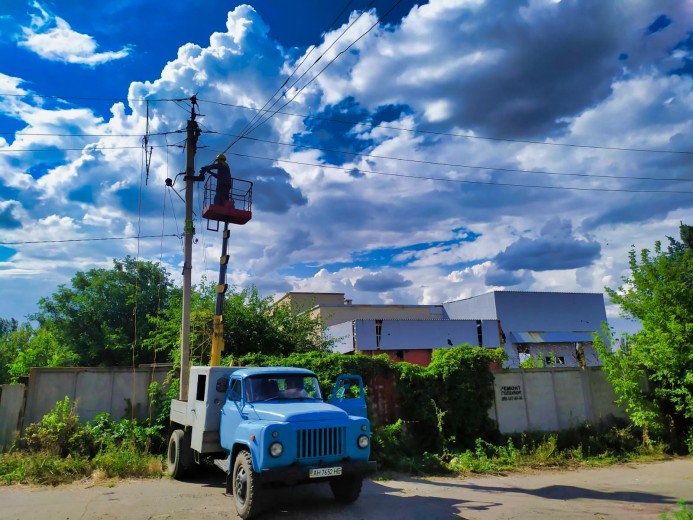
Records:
x=281, y=387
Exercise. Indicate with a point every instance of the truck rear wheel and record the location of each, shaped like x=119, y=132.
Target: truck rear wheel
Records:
x=247, y=489
x=347, y=488
x=178, y=458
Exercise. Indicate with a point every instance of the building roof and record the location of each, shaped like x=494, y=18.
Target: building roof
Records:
x=550, y=337
x=519, y=292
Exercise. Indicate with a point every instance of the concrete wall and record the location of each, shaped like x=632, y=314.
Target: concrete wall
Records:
x=548, y=399
x=11, y=408
x=94, y=390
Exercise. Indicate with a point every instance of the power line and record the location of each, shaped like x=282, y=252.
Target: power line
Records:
x=453, y=134
x=50, y=134
x=259, y=115
x=469, y=166
x=84, y=148
x=84, y=240
x=84, y=98
x=397, y=2
x=461, y=181
x=248, y=127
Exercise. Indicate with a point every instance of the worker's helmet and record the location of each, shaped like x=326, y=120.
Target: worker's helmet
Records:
x=221, y=157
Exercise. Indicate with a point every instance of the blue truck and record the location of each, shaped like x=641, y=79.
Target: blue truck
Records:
x=268, y=426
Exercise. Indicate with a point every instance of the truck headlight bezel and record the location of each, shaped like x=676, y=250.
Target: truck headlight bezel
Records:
x=363, y=442
x=276, y=449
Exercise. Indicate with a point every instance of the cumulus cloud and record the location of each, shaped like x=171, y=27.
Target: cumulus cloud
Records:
x=522, y=69
x=7, y=218
x=52, y=38
x=554, y=248
x=383, y=281
x=459, y=216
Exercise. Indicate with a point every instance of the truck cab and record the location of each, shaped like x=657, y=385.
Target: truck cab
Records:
x=269, y=426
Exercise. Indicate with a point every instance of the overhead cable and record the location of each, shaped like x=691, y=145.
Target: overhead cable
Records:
x=467, y=166
x=395, y=4
x=461, y=181
x=249, y=126
x=83, y=240
x=453, y=134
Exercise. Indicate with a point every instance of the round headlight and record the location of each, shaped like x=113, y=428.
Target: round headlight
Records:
x=363, y=441
x=276, y=449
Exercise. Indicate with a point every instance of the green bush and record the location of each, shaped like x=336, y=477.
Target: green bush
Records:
x=42, y=468
x=127, y=461
x=60, y=433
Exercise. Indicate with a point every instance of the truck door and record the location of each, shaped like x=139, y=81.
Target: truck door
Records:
x=231, y=413
x=349, y=395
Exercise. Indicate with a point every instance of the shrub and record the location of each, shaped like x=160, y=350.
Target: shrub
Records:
x=59, y=432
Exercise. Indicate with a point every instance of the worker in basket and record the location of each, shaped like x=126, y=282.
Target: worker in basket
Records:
x=223, y=177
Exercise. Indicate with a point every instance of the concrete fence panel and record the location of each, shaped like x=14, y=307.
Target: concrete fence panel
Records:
x=122, y=392
x=570, y=398
x=551, y=399
x=11, y=408
x=510, y=402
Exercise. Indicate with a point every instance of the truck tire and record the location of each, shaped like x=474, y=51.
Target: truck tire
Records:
x=247, y=489
x=178, y=458
x=347, y=488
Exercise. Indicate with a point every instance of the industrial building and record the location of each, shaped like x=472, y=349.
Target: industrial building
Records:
x=551, y=328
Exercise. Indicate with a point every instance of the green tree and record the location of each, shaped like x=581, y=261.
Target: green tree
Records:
x=103, y=316
x=252, y=325
x=27, y=347
x=8, y=347
x=652, y=370
x=7, y=326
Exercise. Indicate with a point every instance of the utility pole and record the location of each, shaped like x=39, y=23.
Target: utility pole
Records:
x=218, y=325
x=193, y=133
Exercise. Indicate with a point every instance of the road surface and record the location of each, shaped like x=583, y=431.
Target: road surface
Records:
x=629, y=491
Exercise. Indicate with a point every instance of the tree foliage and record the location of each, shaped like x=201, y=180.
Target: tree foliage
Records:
x=252, y=325
x=132, y=314
x=652, y=371
x=102, y=317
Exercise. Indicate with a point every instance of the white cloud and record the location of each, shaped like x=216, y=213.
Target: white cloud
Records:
x=53, y=39
x=334, y=227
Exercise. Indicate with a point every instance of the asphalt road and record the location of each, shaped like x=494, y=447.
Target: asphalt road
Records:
x=626, y=491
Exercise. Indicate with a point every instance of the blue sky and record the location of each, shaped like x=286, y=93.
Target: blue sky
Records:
x=457, y=147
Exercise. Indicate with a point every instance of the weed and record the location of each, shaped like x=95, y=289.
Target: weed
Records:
x=683, y=513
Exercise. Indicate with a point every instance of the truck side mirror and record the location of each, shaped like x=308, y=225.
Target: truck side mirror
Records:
x=222, y=384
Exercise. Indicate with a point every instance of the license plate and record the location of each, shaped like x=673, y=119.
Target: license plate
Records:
x=325, y=472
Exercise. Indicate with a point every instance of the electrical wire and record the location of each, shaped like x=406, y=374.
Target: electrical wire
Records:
x=83, y=98
x=395, y=4
x=461, y=181
x=469, y=166
x=249, y=127
x=84, y=148
x=48, y=134
x=82, y=240
x=453, y=134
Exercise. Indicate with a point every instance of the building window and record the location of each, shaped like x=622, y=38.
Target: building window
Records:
x=479, y=333
x=523, y=353
x=554, y=361
x=378, y=333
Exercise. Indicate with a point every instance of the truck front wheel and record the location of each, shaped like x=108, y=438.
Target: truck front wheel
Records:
x=347, y=488
x=178, y=455
x=246, y=487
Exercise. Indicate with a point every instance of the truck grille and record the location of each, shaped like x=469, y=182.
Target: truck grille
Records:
x=320, y=442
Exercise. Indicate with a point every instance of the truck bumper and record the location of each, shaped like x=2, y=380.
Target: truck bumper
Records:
x=299, y=473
